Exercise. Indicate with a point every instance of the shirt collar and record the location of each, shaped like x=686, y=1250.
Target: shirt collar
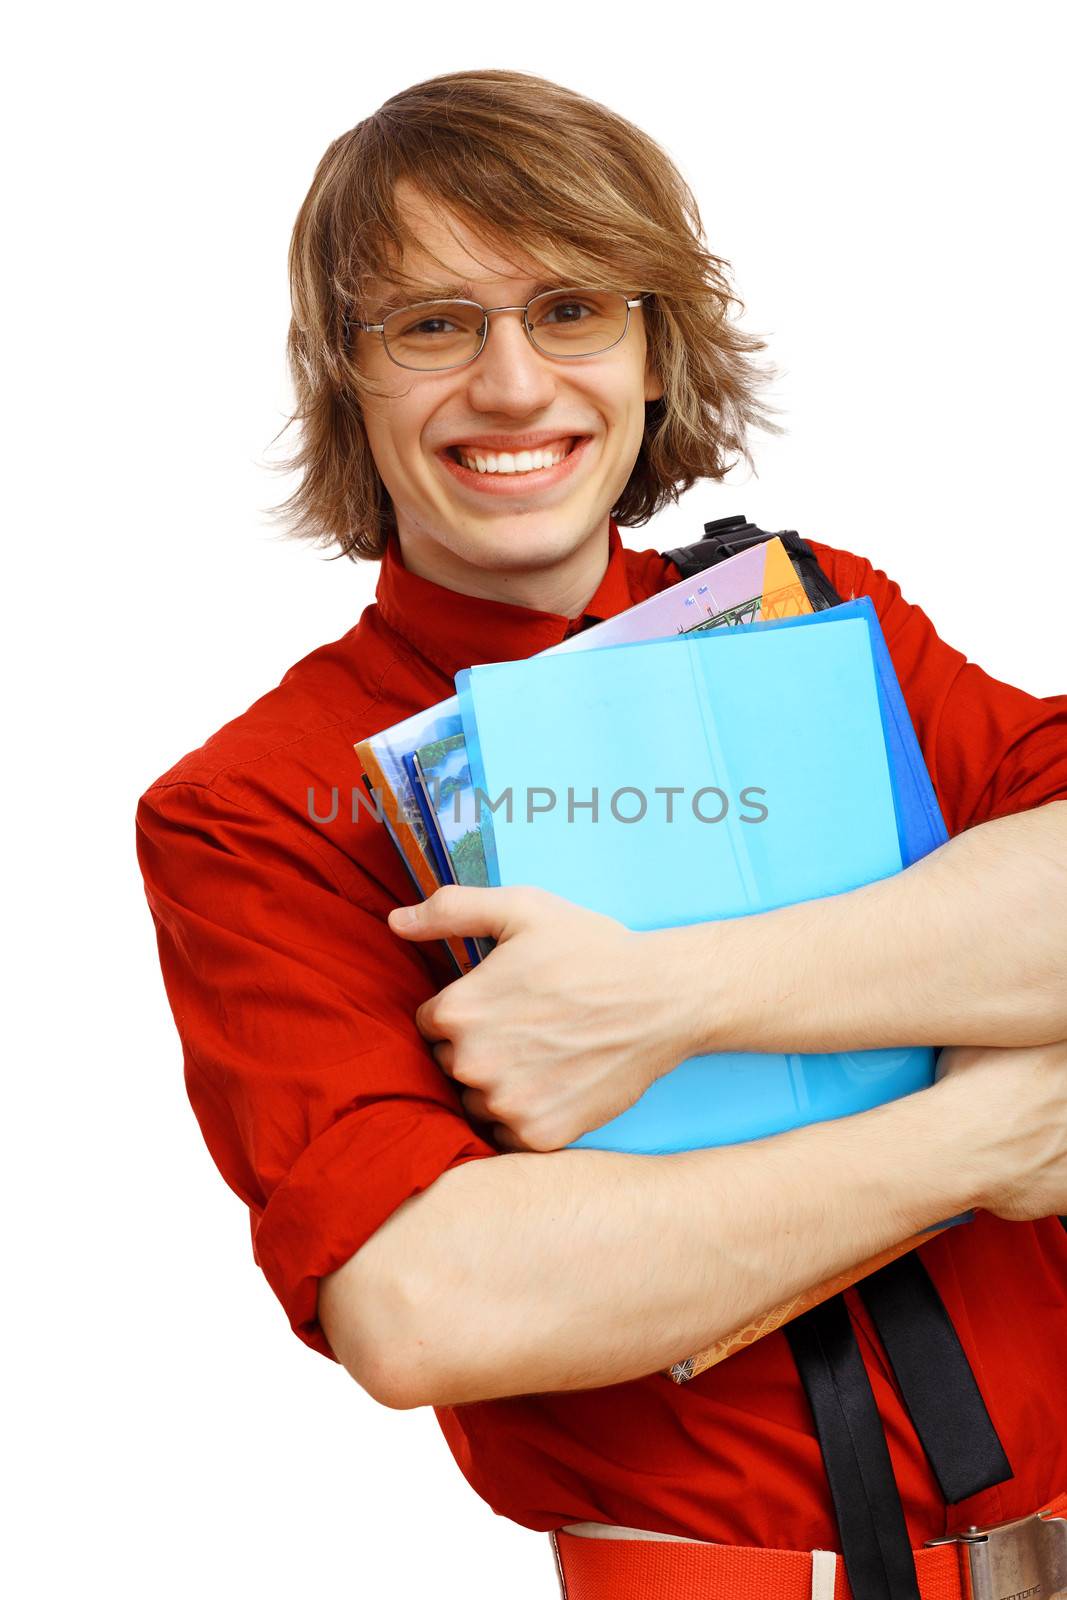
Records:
x=456, y=630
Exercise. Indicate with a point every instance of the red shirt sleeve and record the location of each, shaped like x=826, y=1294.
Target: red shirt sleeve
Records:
x=319, y=1100
x=991, y=749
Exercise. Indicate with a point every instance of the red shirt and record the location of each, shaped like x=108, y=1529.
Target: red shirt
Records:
x=324, y=1110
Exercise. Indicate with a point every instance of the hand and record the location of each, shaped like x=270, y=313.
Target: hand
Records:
x=563, y=1025
x=1016, y=1100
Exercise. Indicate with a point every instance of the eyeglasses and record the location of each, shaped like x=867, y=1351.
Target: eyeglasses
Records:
x=433, y=335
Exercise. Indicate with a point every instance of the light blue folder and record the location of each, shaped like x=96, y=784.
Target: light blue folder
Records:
x=801, y=710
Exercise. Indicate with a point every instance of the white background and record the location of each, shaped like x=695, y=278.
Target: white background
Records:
x=886, y=183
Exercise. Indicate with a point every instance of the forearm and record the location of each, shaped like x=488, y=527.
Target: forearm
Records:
x=967, y=946
x=573, y=1269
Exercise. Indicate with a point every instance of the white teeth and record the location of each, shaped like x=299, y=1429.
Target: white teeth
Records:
x=502, y=461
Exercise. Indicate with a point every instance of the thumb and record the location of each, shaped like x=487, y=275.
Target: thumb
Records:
x=456, y=909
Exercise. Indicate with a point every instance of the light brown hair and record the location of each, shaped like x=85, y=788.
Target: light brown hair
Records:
x=572, y=186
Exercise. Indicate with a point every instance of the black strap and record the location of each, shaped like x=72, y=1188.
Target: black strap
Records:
x=870, y=1518
x=929, y=1363
x=935, y=1378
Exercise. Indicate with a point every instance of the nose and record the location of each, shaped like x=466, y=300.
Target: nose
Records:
x=510, y=376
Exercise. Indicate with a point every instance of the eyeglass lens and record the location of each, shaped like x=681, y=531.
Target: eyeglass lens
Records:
x=563, y=322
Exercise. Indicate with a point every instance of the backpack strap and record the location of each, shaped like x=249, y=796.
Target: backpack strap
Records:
x=870, y=1518
x=935, y=1378
x=940, y=1394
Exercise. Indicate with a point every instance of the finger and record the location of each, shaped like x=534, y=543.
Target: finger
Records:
x=424, y=1020
x=461, y=910
x=425, y=1015
x=475, y=1106
x=444, y=1053
x=505, y=1139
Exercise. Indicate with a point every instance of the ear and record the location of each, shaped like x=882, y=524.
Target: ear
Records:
x=653, y=383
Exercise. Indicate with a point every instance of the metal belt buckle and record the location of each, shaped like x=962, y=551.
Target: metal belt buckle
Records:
x=1025, y=1559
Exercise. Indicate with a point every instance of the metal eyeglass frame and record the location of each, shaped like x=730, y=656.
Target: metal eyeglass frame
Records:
x=487, y=311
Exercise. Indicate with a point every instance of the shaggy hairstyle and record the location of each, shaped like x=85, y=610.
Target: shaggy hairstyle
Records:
x=538, y=169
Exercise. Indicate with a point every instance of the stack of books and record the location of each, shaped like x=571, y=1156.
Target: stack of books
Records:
x=417, y=771
x=717, y=751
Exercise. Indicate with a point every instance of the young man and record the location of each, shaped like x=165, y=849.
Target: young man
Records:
x=397, y=1133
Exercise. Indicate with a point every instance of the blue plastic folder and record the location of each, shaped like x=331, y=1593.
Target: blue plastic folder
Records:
x=795, y=774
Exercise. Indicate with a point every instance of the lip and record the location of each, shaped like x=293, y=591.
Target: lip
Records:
x=512, y=442
x=516, y=483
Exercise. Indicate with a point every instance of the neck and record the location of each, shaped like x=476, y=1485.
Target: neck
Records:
x=562, y=587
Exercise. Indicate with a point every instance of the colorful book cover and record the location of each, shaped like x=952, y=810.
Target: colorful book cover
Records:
x=403, y=819
x=426, y=787
x=692, y=1366
x=450, y=800
x=417, y=779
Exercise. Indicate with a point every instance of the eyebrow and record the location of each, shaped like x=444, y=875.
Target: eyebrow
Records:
x=415, y=294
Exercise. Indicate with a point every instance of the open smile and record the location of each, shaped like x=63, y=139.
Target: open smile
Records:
x=520, y=478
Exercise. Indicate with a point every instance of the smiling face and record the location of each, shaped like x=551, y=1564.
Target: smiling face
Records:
x=537, y=537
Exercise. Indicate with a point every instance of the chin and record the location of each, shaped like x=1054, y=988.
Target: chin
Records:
x=535, y=540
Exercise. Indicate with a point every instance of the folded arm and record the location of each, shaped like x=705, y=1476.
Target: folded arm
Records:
x=579, y=1268
x=572, y=1016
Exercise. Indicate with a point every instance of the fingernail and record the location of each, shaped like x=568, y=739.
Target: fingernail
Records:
x=403, y=916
